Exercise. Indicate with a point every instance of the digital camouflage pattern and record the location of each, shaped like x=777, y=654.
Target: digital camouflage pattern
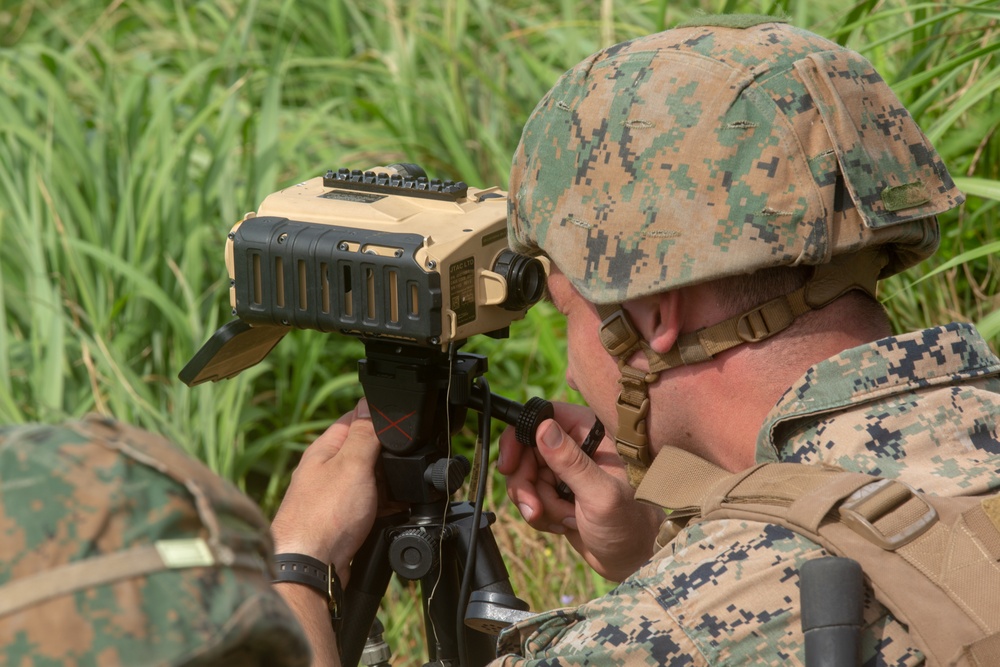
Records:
x=116, y=548
x=714, y=150
x=946, y=445
x=920, y=407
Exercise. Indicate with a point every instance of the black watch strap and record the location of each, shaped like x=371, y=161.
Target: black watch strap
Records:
x=312, y=572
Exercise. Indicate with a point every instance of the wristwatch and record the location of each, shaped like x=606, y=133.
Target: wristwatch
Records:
x=312, y=572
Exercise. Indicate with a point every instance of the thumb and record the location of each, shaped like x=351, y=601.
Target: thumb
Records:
x=361, y=444
x=564, y=457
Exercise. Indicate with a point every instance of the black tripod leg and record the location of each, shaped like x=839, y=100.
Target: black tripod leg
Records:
x=370, y=573
x=492, y=605
x=439, y=590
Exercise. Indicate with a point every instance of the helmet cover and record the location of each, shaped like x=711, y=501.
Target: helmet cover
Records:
x=118, y=548
x=716, y=149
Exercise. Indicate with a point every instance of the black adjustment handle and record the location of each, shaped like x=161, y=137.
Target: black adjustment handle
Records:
x=524, y=418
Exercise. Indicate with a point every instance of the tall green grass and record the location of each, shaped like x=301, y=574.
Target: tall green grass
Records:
x=133, y=134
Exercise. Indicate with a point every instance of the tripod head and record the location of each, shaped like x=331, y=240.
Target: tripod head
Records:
x=417, y=401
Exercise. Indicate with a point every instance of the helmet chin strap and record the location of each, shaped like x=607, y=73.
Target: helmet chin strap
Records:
x=621, y=340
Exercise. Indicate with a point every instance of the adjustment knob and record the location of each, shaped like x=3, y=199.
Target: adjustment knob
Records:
x=534, y=412
x=447, y=475
x=413, y=553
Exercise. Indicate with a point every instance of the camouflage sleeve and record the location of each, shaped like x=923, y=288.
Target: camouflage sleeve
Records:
x=625, y=627
x=724, y=592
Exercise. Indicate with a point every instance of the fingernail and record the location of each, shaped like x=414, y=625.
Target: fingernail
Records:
x=570, y=522
x=362, y=410
x=500, y=459
x=525, y=511
x=552, y=438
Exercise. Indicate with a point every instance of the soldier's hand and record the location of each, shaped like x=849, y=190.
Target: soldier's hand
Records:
x=333, y=497
x=605, y=524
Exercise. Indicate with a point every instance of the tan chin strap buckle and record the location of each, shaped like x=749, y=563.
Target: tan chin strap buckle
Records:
x=764, y=322
x=620, y=339
x=618, y=336
x=630, y=439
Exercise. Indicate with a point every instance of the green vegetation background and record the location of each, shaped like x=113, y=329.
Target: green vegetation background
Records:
x=134, y=134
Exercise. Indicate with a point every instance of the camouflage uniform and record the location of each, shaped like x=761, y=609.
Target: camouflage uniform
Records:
x=920, y=407
x=116, y=548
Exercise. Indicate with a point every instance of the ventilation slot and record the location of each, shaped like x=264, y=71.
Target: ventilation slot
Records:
x=279, y=282
x=370, y=284
x=394, y=297
x=414, y=300
x=348, y=293
x=257, y=280
x=303, y=293
x=324, y=288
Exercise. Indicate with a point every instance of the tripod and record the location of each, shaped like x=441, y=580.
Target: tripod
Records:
x=418, y=398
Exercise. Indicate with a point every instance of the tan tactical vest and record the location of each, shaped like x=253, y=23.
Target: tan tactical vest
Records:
x=933, y=561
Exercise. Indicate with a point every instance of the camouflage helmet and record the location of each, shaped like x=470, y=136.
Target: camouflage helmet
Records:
x=720, y=148
x=118, y=548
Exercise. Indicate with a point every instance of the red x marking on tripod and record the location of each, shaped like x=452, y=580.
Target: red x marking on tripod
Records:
x=395, y=424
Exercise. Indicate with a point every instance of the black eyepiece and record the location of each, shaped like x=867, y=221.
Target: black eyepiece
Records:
x=525, y=278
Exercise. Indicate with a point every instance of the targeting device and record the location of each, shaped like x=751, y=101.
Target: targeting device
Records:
x=384, y=254
x=413, y=267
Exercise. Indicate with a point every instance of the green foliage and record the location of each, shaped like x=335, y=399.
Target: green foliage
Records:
x=133, y=135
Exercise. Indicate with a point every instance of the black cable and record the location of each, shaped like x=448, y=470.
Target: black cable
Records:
x=485, y=420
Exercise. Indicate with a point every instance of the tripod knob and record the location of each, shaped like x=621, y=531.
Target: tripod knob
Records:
x=413, y=553
x=447, y=475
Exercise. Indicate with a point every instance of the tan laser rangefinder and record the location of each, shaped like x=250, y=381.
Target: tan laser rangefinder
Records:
x=384, y=254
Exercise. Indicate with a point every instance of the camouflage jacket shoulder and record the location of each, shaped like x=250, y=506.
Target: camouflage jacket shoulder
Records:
x=921, y=406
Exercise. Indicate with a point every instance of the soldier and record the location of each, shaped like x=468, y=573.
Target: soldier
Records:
x=718, y=202
x=116, y=548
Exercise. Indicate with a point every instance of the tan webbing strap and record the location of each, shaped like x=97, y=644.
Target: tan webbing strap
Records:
x=887, y=513
x=47, y=584
x=680, y=481
x=78, y=575
x=752, y=326
x=621, y=340
x=798, y=494
x=809, y=510
x=985, y=652
x=618, y=336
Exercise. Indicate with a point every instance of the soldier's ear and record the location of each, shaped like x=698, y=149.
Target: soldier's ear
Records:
x=658, y=318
